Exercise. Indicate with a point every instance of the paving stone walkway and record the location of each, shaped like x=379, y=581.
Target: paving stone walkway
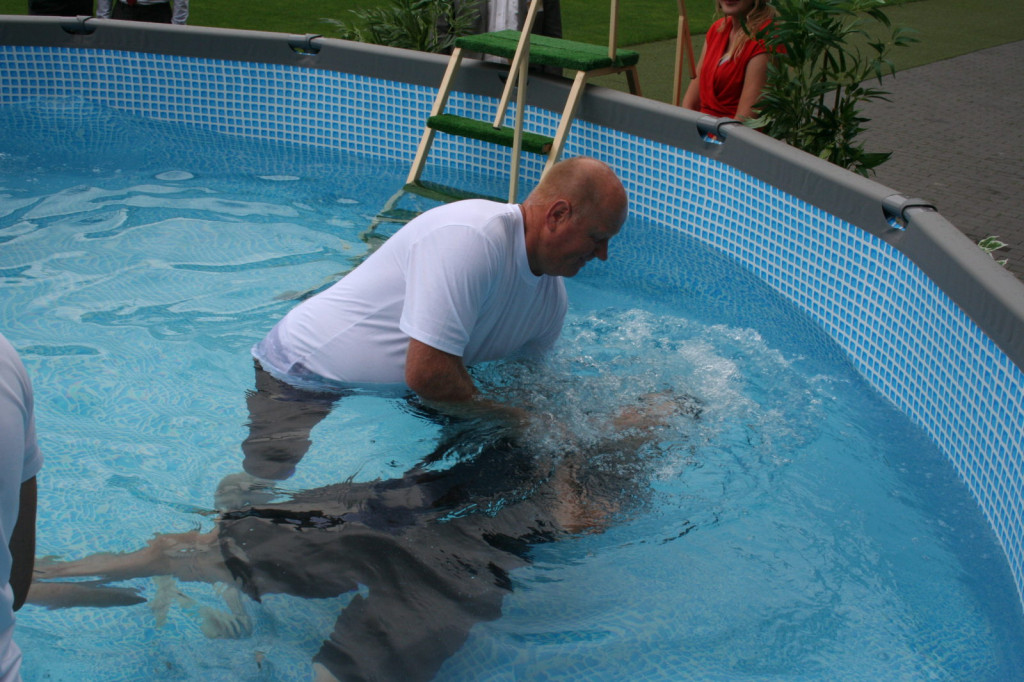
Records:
x=957, y=135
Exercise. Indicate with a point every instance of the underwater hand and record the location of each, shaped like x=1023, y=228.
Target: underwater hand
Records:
x=656, y=409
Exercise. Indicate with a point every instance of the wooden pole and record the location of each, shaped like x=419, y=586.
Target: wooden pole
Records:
x=522, y=51
x=517, y=138
x=439, y=104
x=613, y=29
x=684, y=47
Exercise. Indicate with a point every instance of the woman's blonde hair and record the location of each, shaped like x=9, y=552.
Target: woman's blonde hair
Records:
x=759, y=14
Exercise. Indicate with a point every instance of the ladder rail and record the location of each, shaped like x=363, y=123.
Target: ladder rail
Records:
x=522, y=50
x=440, y=102
x=517, y=144
x=568, y=114
x=613, y=29
x=684, y=46
x=517, y=78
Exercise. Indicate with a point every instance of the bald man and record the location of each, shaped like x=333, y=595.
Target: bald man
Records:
x=463, y=283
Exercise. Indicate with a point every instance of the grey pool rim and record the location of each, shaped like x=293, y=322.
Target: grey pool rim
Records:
x=990, y=297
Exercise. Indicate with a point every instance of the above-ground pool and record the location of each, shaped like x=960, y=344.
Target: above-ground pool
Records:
x=825, y=504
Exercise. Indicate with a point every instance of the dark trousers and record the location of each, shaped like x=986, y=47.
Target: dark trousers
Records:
x=281, y=417
x=160, y=13
x=60, y=8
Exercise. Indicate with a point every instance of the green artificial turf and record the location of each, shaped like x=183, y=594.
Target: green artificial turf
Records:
x=483, y=130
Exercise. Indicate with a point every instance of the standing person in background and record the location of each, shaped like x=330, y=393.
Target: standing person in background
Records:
x=499, y=15
x=60, y=8
x=20, y=461
x=157, y=11
x=733, y=67
x=502, y=15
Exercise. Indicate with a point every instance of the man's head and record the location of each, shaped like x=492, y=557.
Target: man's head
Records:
x=576, y=209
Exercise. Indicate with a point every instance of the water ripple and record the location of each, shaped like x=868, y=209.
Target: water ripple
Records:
x=295, y=259
x=52, y=351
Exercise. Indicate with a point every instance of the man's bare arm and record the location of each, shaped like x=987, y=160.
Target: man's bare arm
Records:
x=437, y=376
x=440, y=377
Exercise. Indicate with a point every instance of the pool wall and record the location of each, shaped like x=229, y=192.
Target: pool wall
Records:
x=925, y=315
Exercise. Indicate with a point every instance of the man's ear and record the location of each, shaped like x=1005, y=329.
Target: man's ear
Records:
x=559, y=211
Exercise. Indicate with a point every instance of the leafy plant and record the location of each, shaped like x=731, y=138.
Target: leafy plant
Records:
x=827, y=53
x=424, y=25
x=991, y=244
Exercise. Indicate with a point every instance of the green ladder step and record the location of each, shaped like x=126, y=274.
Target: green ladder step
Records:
x=443, y=193
x=483, y=130
x=388, y=221
x=547, y=51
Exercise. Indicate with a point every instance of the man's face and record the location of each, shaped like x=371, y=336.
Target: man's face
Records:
x=579, y=238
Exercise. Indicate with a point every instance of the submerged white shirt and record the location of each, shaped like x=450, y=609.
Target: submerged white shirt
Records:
x=20, y=460
x=456, y=278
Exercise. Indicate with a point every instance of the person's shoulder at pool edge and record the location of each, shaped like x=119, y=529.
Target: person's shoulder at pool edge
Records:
x=20, y=459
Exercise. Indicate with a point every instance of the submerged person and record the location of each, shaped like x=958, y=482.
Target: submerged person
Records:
x=733, y=66
x=434, y=548
x=463, y=283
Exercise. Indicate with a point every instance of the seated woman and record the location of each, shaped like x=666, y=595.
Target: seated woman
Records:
x=733, y=65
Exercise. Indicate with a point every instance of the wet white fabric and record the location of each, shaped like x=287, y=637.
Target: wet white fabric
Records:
x=456, y=278
x=20, y=460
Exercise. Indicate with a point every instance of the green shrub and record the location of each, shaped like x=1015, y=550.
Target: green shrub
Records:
x=425, y=25
x=827, y=54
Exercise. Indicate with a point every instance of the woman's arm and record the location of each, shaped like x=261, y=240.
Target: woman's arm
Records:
x=691, y=99
x=754, y=80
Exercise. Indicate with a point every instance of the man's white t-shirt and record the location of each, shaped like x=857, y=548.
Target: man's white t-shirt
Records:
x=20, y=460
x=456, y=278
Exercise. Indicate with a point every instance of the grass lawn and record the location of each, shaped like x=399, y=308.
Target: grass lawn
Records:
x=640, y=21
x=946, y=28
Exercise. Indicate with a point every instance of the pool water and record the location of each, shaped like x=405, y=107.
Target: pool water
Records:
x=800, y=528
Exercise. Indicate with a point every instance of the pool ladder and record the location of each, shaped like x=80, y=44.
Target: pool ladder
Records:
x=524, y=50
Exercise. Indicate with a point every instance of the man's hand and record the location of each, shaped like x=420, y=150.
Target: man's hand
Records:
x=656, y=409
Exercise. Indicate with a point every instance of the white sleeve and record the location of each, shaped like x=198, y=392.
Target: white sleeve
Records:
x=103, y=8
x=450, y=274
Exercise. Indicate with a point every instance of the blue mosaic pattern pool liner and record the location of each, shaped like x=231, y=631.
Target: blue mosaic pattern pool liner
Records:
x=906, y=337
